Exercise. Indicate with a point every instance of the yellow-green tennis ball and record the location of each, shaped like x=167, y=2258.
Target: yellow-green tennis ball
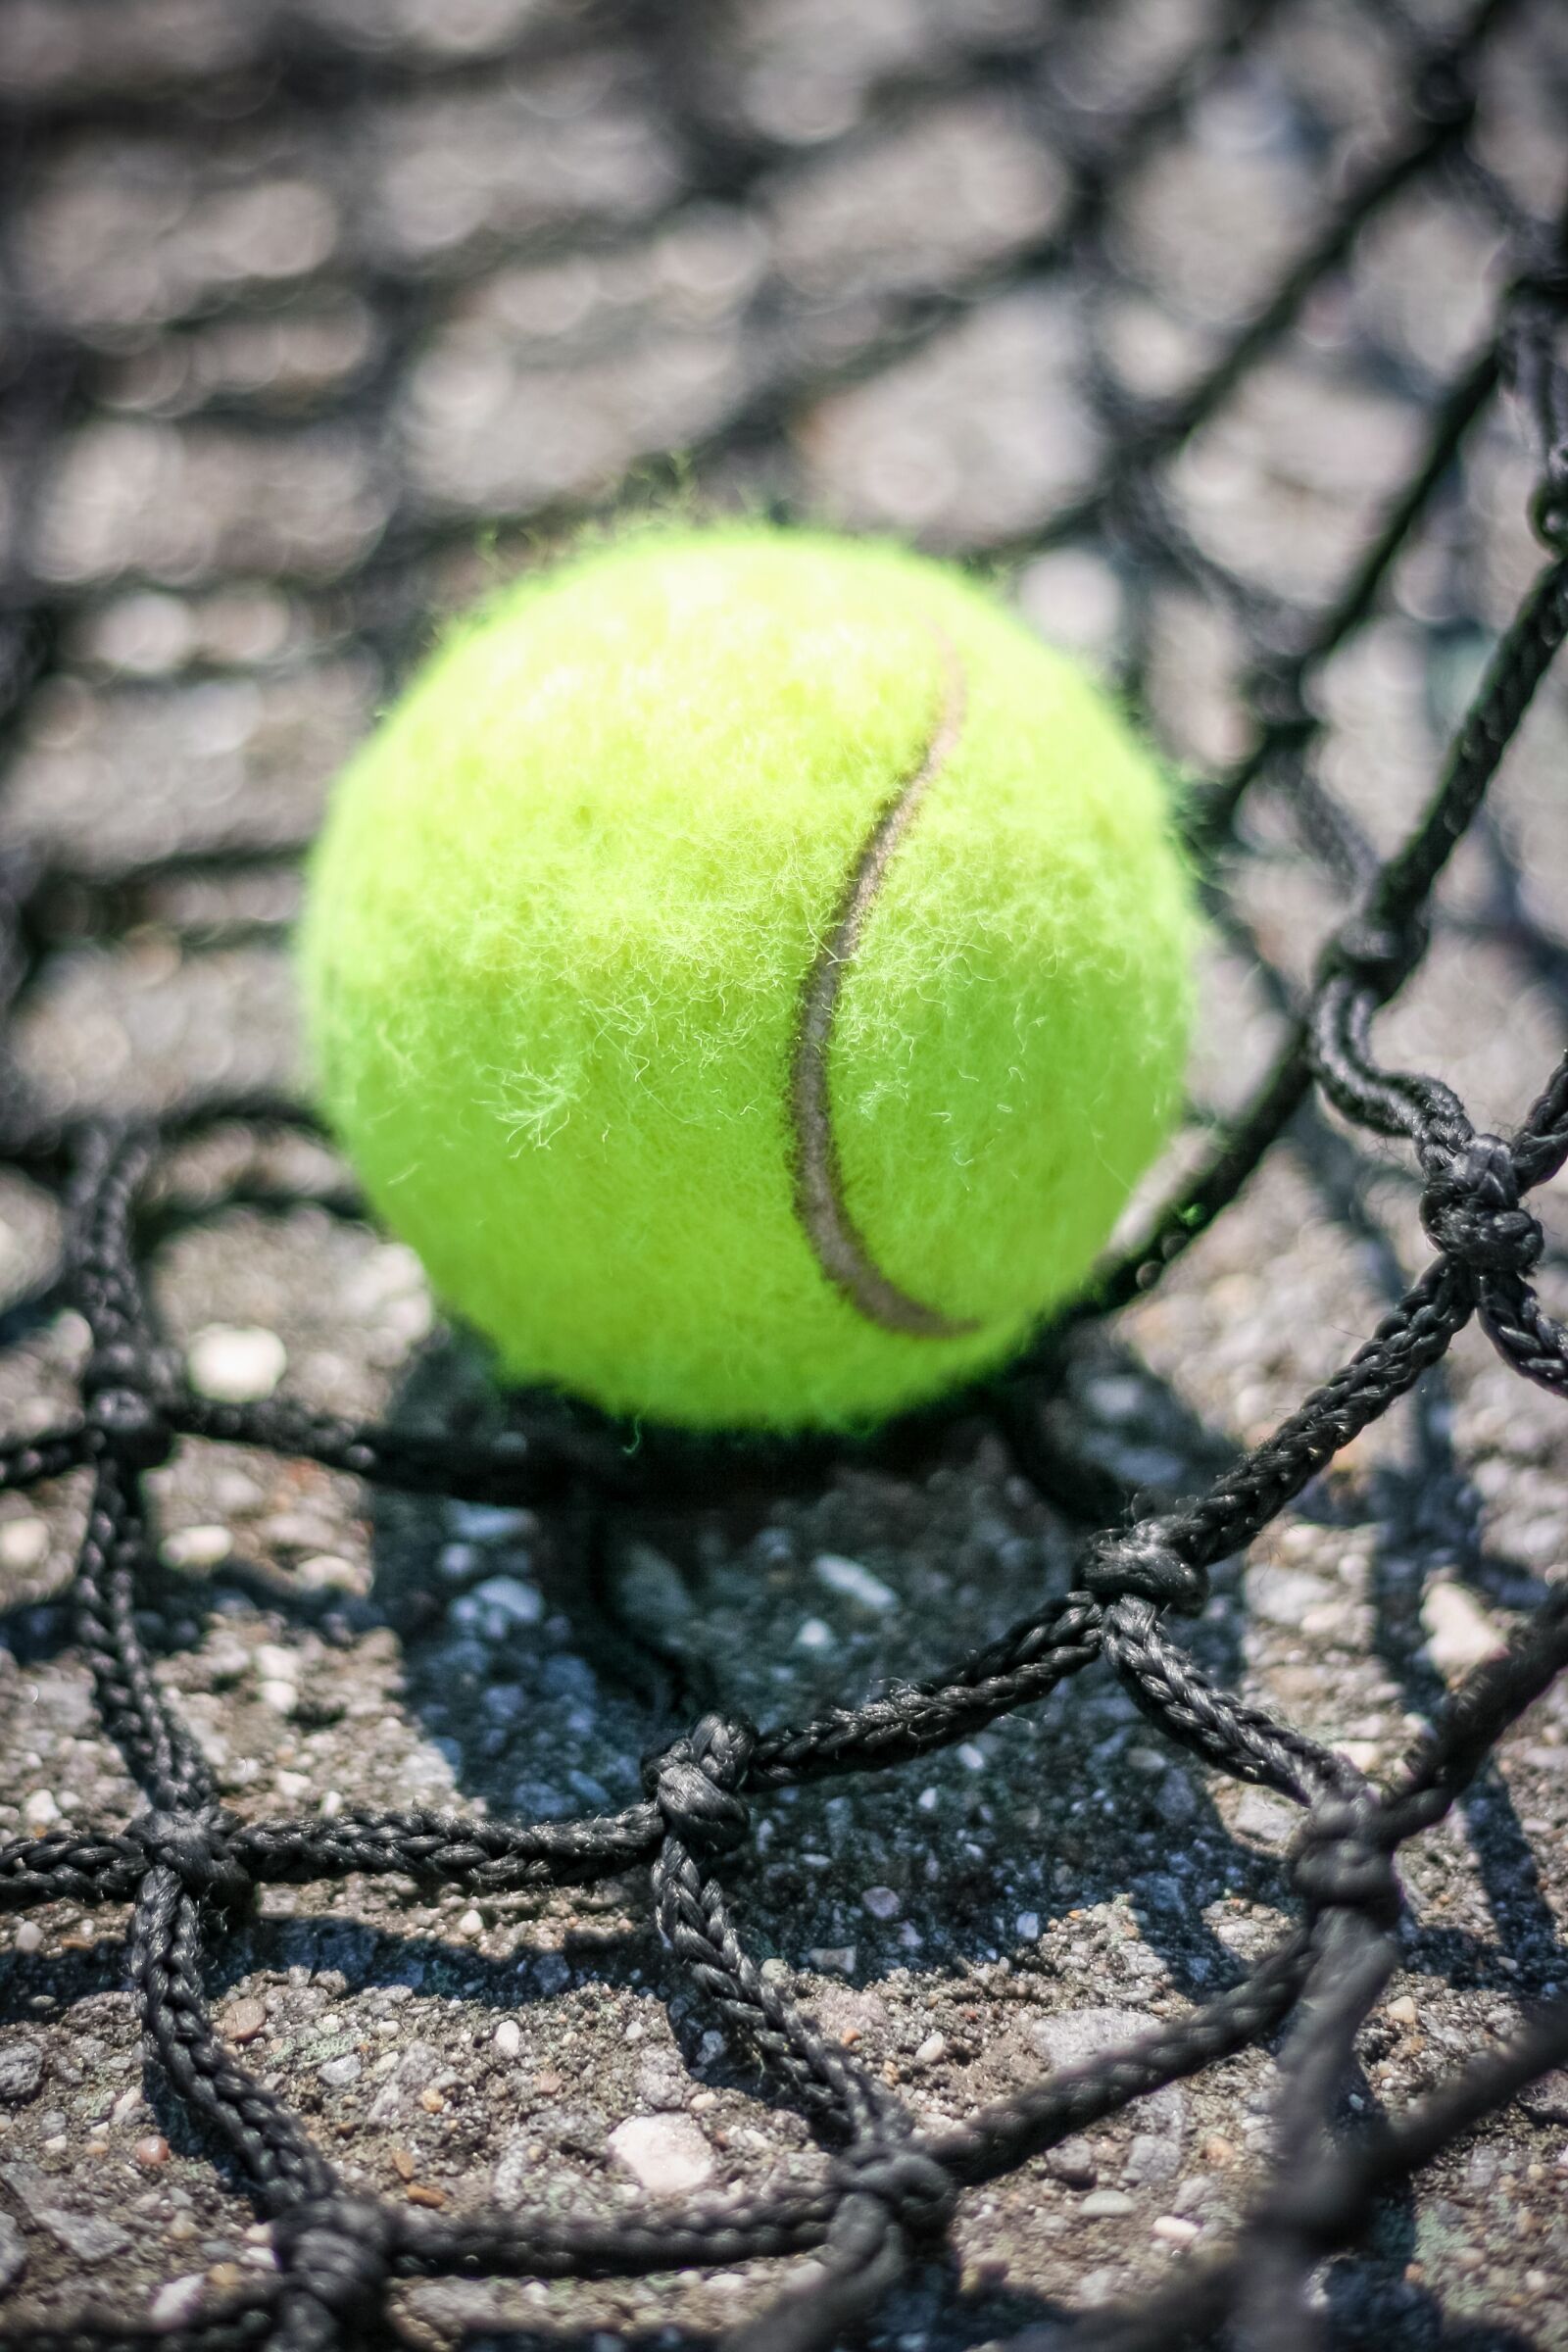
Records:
x=751, y=971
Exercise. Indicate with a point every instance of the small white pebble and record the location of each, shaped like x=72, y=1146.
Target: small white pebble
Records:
x=853, y=1581
x=197, y=1546
x=326, y=1572
x=972, y=1759
x=128, y=2103
x=389, y=1279
x=882, y=1902
x=510, y=1599
x=331, y=1805
x=282, y=1698
x=1027, y=1925
x=471, y=1924
x=815, y=1635
x=927, y=1800
x=235, y=1364
x=40, y=1812
x=277, y=1664
x=508, y=2037
x=178, y=2302
x=23, y=1544
x=338, y=2072
x=28, y=1936
x=1176, y=2228
x=665, y=2154
x=1458, y=1634
x=931, y=2049
x=292, y=1787
x=833, y=1959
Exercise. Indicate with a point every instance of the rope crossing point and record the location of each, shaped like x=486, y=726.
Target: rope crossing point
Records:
x=885, y=2191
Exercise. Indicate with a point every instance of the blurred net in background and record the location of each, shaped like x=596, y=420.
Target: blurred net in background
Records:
x=1236, y=334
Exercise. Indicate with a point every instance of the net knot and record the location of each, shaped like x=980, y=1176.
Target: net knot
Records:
x=1441, y=89
x=694, y=1783
x=1373, y=953
x=195, y=1847
x=337, y=2250
x=918, y=2191
x=1145, y=1561
x=1472, y=1212
x=1341, y=1863
x=127, y=1425
x=1275, y=693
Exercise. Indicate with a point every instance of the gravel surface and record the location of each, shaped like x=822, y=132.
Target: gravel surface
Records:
x=339, y=360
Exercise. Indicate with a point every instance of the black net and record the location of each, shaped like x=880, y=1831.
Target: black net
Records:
x=1236, y=333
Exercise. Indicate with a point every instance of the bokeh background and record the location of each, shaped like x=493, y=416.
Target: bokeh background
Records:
x=321, y=316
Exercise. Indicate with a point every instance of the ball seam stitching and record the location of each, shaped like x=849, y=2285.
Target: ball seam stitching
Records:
x=837, y=1243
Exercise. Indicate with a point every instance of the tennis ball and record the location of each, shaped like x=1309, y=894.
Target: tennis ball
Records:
x=751, y=971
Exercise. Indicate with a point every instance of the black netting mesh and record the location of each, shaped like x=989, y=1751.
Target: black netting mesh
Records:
x=1235, y=332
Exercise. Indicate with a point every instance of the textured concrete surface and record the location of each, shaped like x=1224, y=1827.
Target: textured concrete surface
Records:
x=344, y=358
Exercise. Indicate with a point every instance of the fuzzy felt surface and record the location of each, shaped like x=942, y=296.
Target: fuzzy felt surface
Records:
x=567, y=905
